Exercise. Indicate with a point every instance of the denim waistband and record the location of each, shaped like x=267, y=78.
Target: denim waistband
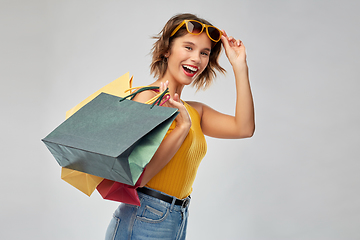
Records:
x=186, y=201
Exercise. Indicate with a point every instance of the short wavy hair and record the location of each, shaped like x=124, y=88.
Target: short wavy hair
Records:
x=164, y=42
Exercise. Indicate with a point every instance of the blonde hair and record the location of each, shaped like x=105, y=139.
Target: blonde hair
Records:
x=163, y=44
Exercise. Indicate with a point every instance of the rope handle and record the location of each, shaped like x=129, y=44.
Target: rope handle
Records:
x=155, y=100
x=131, y=90
x=162, y=96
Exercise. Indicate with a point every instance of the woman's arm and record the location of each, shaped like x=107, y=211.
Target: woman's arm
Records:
x=171, y=144
x=241, y=125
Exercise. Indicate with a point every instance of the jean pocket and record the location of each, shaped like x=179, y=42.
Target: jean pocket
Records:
x=153, y=214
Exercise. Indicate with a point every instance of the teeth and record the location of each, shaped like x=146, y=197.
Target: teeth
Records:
x=190, y=68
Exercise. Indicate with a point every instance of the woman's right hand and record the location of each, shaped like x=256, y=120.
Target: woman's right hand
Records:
x=183, y=119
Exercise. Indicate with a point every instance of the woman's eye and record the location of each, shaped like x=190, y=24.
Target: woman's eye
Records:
x=205, y=53
x=188, y=48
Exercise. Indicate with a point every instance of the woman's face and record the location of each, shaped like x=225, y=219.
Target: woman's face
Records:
x=188, y=57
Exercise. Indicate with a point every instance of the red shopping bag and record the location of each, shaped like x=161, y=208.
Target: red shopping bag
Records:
x=120, y=192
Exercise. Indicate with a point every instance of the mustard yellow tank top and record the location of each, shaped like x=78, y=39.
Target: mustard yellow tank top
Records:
x=177, y=177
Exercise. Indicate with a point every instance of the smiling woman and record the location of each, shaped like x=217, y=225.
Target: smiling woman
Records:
x=186, y=52
x=172, y=31
x=188, y=55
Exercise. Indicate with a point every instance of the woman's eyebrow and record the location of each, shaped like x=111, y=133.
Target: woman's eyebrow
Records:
x=191, y=43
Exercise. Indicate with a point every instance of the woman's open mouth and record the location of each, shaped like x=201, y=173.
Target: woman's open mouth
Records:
x=190, y=70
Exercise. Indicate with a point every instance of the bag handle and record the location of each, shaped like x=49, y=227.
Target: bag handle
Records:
x=155, y=100
x=165, y=98
x=133, y=88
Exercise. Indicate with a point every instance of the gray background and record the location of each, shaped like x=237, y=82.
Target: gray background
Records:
x=297, y=178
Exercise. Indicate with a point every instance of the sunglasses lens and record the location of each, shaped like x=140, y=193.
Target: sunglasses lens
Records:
x=214, y=33
x=194, y=27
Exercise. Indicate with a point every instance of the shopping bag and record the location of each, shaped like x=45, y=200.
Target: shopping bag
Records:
x=83, y=181
x=111, y=139
x=120, y=192
x=116, y=88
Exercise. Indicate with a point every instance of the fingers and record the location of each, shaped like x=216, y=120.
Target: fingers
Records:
x=224, y=39
x=183, y=119
x=230, y=41
x=176, y=97
x=175, y=101
x=234, y=42
x=163, y=86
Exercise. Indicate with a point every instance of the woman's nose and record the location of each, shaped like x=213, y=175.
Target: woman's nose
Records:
x=195, y=57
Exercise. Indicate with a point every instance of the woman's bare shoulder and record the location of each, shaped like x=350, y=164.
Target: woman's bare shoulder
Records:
x=144, y=96
x=198, y=106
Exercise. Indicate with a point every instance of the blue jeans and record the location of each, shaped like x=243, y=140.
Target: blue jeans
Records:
x=154, y=219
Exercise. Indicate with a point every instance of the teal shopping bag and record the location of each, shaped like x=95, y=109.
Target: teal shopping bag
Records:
x=111, y=137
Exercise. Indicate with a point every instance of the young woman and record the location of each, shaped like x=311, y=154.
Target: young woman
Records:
x=186, y=52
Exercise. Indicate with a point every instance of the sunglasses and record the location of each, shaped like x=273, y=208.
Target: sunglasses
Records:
x=196, y=28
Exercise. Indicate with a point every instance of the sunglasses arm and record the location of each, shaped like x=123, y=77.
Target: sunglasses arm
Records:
x=177, y=28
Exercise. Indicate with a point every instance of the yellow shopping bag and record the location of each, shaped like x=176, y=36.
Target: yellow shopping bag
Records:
x=86, y=183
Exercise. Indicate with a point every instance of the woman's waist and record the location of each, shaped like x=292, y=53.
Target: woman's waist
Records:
x=153, y=195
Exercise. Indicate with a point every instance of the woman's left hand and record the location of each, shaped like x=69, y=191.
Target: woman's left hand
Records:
x=234, y=49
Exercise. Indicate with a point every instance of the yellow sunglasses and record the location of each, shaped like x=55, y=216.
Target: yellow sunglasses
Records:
x=195, y=27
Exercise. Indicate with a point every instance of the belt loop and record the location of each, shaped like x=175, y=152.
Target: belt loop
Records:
x=172, y=204
x=186, y=202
